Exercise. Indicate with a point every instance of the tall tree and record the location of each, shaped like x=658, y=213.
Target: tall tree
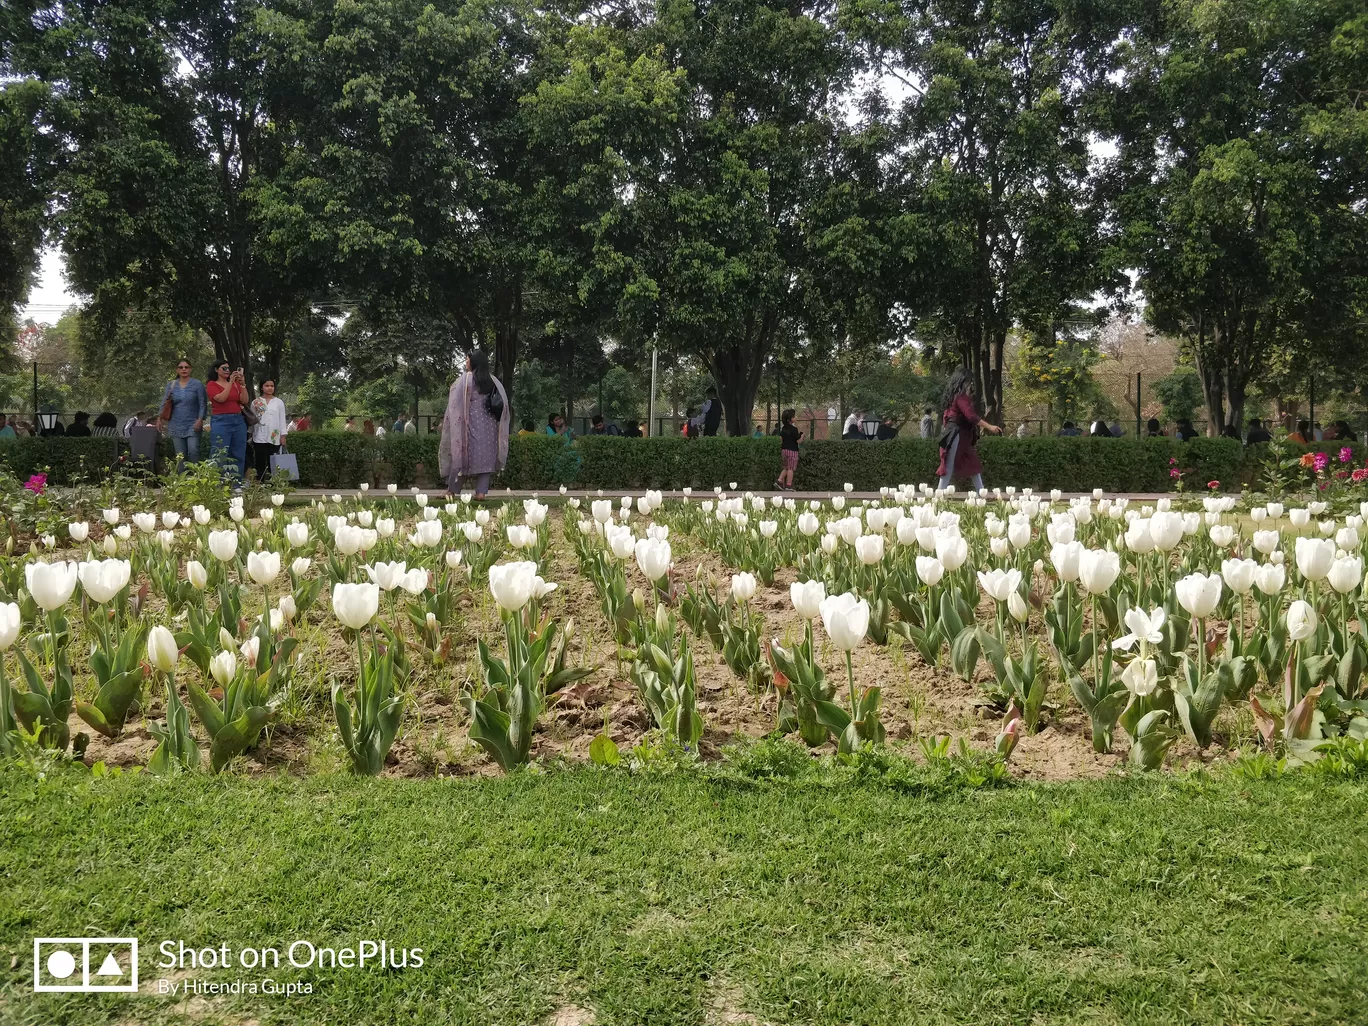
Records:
x=159, y=107
x=25, y=185
x=995, y=137
x=703, y=237
x=1241, y=128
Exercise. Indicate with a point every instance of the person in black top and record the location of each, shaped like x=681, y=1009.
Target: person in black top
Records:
x=1257, y=432
x=886, y=430
x=1185, y=432
x=789, y=437
x=1153, y=428
x=81, y=427
x=631, y=429
x=712, y=413
x=1343, y=432
x=1230, y=431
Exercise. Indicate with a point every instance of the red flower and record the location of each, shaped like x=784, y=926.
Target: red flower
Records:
x=1360, y=475
x=1173, y=472
x=1213, y=485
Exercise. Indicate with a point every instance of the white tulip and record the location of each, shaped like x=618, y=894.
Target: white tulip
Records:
x=1166, y=528
x=808, y=524
x=453, y=558
x=110, y=545
x=930, y=570
x=829, y=543
x=145, y=522
x=1274, y=510
x=847, y=486
x=202, y=515
x=1301, y=620
x=104, y=579
x=520, y=536
x=846, y=619
x=223, y=544
x=235, y=514
x=78, y=531
x=384, y=527
x=482, y=517
x=263, y=567
x=653, y=557
x=1299, y=517
x=511, y=584
x=1222, y=535
x=170, y=519
x=364, y=517
x=111, y=516
x=1258, y=514
x=869, y=549
x=250, y=650
x=1140, y=677
x=807, y=597
x=415, y=582
x=768, y=528
x=1066, y=560
x=1347, y=538
x=998, y=584
x=1199, y=594
x=162, y=652
x=223, y=667
x=1265, y=541
x=473, y=532
x=1146, y=628
x=1270, y=578
x=1314, y=556
x=10, y=621
x=999, y=548
x=743, y=587
x=951, y=549
x=355, y=605
x=838, y=502
x=1239, y=574
x=1138, y=537
x=50, y=584
x=297, y=534
x=287, y=607
x=1346, y=574
x=167, y=540
x=387, y=576
x=426, y=534
x=1016, y=606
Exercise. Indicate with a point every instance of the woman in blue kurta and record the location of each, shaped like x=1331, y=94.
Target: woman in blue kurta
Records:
x=188, y=409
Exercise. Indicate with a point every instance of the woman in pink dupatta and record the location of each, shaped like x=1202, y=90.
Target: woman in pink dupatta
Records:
x=476, y=439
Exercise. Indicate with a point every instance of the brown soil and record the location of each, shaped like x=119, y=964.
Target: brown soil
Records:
x=920, y=701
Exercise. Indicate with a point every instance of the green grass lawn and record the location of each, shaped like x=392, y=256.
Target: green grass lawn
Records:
x=689, y=898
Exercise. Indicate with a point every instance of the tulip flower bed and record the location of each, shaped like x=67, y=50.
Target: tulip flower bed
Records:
x=383, y=632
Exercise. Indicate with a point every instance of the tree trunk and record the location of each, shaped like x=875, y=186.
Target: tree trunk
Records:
x=737, y=367
x=507, y=318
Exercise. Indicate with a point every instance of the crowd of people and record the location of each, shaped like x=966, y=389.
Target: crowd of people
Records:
x=473, y=446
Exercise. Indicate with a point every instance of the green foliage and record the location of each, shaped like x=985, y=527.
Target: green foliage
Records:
x=1181, y=394
x=320, y=396
x=368, y=724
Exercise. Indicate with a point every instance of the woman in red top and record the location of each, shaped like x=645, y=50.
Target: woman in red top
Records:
x=961, y=458
x=227, y=427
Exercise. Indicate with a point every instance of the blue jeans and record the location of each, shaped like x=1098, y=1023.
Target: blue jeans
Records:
x=949, y=474
x=187, y=447
x=228, y=442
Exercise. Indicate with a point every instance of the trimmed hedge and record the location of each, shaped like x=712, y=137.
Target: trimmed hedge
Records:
x=343, y=459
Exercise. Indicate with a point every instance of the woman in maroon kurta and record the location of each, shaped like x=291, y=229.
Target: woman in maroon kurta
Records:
x=961, y=459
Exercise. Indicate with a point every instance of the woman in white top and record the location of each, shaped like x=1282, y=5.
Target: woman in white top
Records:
x=268, y=436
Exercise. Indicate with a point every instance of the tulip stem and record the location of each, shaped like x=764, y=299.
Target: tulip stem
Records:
x=6, y=717
x=850, y=681
x=1093, y=599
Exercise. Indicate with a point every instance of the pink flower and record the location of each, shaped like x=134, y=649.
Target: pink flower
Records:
x=37, y=484
x=1346, y=454
x=1173, y=472
x=1319, y=461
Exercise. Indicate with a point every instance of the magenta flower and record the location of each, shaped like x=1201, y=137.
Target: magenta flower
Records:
x=37, y=484
x=1319, y=461
x=1346, y=454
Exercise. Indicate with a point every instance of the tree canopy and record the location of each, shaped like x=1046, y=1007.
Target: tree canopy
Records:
x=356, y=194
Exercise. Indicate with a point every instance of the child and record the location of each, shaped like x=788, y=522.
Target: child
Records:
x=788, y=451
